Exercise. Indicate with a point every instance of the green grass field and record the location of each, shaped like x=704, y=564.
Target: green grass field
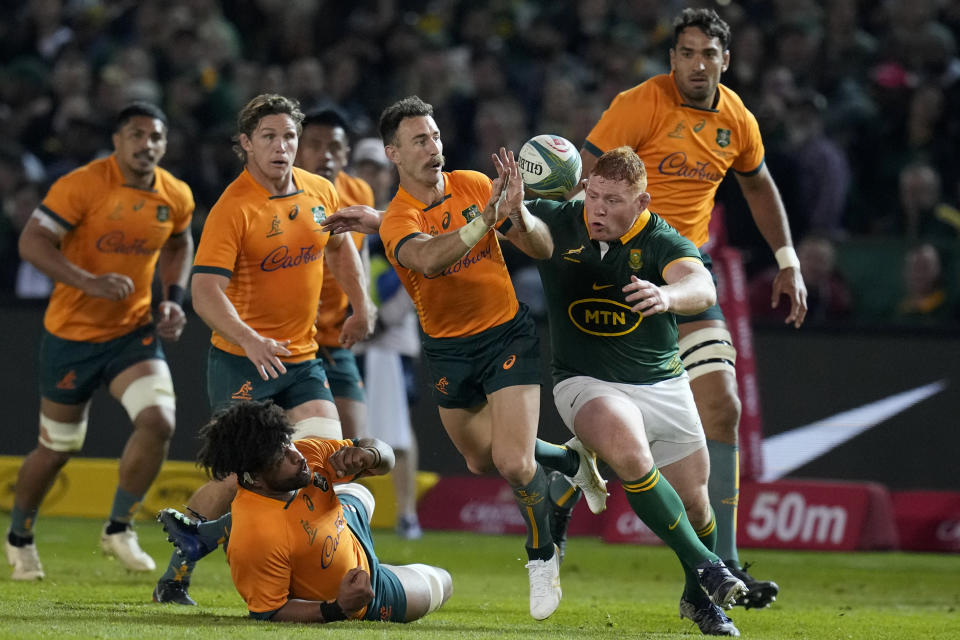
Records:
x=610, y=591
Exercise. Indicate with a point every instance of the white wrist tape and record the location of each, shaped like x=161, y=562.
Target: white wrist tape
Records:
x=787, y=258
x=473, y=231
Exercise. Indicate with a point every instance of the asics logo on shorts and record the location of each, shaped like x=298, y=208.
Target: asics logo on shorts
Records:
x=243, y=393
x=147, y=341
x=509, y=362
x=68, y=381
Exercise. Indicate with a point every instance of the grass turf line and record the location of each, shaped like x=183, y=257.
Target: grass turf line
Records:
x=609, y=591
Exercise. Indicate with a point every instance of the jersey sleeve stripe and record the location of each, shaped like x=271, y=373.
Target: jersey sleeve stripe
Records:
x=217, y=271
x=752, y=172
x=592, y=148
x=396, y=252
x=63, y=223
x=683, y=259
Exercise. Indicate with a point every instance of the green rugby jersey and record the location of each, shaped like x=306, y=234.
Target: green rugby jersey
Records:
x=593, y=332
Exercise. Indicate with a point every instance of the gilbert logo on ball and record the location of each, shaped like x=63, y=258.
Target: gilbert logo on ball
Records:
x=549, y=165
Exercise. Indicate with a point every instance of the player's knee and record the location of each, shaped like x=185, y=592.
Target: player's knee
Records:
x=720, y=414
x=149, y=391
x=515, y=469
x=439, y=584
x=62, y=438
x=630, y=464
x=157, y=421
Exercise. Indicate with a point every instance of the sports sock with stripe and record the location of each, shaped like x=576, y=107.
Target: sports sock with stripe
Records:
x=724, y=489
x=555, y=456
x=656, y=502
x=534, y=504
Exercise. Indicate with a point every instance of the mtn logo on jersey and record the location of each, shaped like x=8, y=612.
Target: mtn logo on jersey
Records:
x=599, y=317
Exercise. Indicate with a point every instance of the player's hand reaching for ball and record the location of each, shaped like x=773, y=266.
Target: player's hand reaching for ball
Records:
x=355, y=591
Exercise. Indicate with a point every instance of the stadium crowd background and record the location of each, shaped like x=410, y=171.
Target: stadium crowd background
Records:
x=858, y=103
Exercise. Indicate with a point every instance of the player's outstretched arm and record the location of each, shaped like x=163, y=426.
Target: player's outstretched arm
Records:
x=768, y=213
x=358, y=217
x=527, y=232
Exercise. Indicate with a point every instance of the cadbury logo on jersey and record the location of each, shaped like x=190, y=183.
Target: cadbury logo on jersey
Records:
x=283, y=258
x=116, y=242
x=463, y=263
x=675, y=164
x=599, y=317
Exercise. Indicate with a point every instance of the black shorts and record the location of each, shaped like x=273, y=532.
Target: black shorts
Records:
x=463, y=371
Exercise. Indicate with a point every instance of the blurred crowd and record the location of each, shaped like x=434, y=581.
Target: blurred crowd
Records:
x=858, y=102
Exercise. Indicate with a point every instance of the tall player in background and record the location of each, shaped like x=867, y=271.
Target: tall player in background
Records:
x=101, y=233
x=256, y=283
x=690, y=130
x=325, y=150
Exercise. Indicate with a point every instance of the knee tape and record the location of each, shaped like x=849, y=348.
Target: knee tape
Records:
x=708, y=350
x=154, y=390
x=326, y=428
x=434, y=580
x=62, y=436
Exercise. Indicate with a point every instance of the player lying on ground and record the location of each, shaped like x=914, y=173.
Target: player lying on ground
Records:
x=300, y=548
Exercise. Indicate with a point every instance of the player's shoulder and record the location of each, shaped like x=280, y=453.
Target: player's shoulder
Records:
x=660, y=85
x=174, y=189
x=353, y=190
x=311, y=183
x=731, y=103
x=555, y=211
x=465, y=178
x=96, y=174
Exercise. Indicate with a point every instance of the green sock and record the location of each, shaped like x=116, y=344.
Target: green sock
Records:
x=213, y=533
x=21, y=522
x=178, y=570
x=562, y=491
x=125, y=504
x=724, y=489
x=691, y=589
x=534, y=506
x=658, y=505
x=556, y=456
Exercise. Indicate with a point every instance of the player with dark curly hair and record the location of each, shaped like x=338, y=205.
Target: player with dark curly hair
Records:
x=300, y=543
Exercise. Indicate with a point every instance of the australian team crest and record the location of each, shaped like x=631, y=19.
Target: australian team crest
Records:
x=723, y=137
x=470, y=212
x=319, y=214
x=636, y=259
x=163, y=212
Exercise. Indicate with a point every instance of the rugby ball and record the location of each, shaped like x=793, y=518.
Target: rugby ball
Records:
x=549, y=165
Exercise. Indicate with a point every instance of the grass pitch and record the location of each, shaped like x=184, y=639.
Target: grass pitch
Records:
x=610, y=591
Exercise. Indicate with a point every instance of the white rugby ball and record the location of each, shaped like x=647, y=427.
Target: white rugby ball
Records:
x=549, y=165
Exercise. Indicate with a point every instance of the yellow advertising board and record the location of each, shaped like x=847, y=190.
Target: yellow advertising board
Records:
x=85, y=488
